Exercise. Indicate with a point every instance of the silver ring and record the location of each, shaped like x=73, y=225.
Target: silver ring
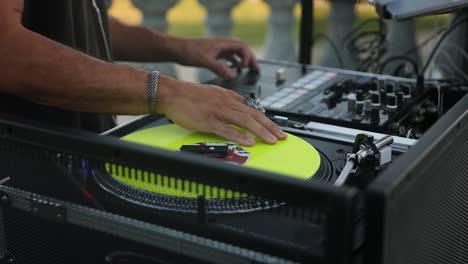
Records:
x=254, y=103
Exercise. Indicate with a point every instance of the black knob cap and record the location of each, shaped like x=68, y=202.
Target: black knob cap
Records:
x=406, y=89
x=390, y=88
x=375, y=98
x=392, y=103
x=359, y=95
x=373, y=87
x=391, y=100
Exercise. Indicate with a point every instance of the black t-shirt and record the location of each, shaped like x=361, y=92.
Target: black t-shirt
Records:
x=78, y=24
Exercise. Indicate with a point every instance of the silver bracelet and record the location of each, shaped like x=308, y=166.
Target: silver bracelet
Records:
x=152, y=91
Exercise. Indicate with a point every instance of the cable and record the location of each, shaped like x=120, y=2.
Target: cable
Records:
x=440, y=41
x=333, y=46
x=453, y=66
x=462, y=51
x=425, y=42
x=103, y=32
x=367, y=47
x=364, y=23
x=399, y=58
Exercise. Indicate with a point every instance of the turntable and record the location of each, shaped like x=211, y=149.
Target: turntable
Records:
x=293, y=157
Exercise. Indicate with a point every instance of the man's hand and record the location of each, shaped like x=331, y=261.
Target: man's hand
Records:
x=207, y=52
x=208, y=108
x=142, y=44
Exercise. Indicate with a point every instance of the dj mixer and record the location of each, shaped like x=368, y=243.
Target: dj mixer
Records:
x=378, y=103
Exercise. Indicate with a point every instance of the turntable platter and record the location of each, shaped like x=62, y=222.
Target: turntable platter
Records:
x=292, y=157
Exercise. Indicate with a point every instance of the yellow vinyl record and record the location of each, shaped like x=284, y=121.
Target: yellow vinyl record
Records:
x=292, y=157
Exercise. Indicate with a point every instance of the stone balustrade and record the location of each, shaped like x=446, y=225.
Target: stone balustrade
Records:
x=280, y=43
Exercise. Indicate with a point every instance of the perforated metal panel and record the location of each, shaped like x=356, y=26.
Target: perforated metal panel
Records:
x=314, y=222
x=424, y=204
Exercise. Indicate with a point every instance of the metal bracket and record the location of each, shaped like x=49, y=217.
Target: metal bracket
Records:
x=48, y=210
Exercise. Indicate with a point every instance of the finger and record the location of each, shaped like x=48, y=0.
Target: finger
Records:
x=248, y=122
x=246, y=55
x=266, y=122
x=253, y=64
x=221, y=69
x=226, y=131
x=234, y=60
x=248, y=59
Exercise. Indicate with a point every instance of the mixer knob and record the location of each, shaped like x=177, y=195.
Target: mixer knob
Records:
x=375, y=101
x=390, y=89
x=374, y=87
x=392, y=103
x=368, y=106
x=406, y=90
x=359, y=102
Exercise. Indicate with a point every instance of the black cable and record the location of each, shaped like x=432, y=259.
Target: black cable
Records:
x=363, y=24
x=399, y=58
x=333, y=46
x=367, y=47
x=439, y=42
x=425, y=42
x=452, y=67
x=399, y=69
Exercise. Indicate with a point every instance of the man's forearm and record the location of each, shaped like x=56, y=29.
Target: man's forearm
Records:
x=49, y=73
x=142, y=44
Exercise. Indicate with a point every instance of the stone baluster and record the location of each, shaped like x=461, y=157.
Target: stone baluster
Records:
x=219, y=19
x=450, y=59
x=155, y=16
x=281, y=44
x=341, y=22
x=218, y=23
x=401, y=38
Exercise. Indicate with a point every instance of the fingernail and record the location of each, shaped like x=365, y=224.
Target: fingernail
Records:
x=283, y=135
x=249, y=142
x=271, y=139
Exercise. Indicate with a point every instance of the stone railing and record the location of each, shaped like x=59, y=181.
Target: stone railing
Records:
x=280, y=43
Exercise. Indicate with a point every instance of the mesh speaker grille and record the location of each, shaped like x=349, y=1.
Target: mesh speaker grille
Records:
x=217, y=202
x=427, y=219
